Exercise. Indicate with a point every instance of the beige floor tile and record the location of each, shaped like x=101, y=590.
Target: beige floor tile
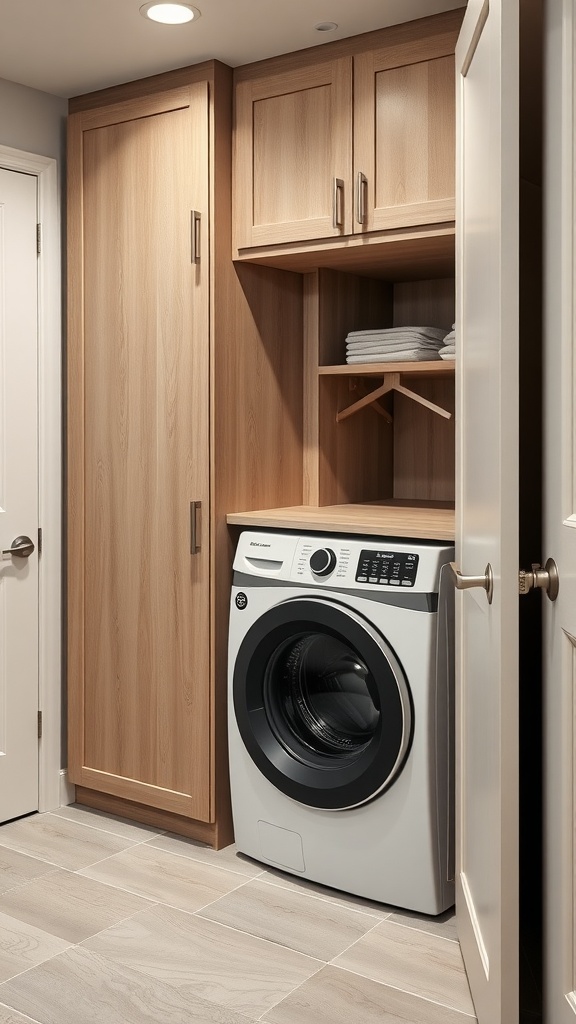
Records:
x=335, y=996
x=177, y=881
x=294, y=919
x=65, y=843
x=81, y=987
x=444, y=924
x=413, y=961
x=227, y=858
x=205, y=959
x=8, y=1016
x=17, y=868
x=70, y=906
x=22, y=946
x=294, y=882
x=108, y=822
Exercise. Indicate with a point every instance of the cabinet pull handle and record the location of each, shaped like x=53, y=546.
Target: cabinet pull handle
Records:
x=337, y=203
x=195, y=236
x=195, y=507
x=361, y=186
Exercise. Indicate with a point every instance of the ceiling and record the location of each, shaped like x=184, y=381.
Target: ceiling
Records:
x=69, y=47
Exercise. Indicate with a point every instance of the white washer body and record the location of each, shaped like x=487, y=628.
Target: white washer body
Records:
x=396, y=846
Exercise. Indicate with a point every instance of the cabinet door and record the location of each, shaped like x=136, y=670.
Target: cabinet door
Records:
x=293, y=155
x=138, y=383
x=404, y=118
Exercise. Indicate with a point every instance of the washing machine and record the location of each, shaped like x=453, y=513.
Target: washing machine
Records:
x=341, y=712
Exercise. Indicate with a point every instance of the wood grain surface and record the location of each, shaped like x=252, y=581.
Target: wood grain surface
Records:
x=139, y=378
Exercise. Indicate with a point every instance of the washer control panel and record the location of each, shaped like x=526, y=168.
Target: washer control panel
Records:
x=387, y=568
x=341, y=563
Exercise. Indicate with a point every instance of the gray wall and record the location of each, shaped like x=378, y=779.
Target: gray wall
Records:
x=33, y=121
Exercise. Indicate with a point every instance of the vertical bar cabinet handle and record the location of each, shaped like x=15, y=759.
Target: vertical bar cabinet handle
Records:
x=195, y=236
x=195, y=507
x=361, y=184
x=337, y=202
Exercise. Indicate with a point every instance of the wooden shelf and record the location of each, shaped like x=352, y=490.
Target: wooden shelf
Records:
x=389, y=518
x=437, y=368
x=404, y=255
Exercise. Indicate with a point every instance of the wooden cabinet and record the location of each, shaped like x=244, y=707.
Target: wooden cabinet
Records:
x=360, y=142
x=294, y=154
x=158, y=397
x=139, y=449
x=404, y=135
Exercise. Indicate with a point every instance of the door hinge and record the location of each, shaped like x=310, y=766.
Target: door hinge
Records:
x=38, y=238
x=39, y=540
x=39, y=725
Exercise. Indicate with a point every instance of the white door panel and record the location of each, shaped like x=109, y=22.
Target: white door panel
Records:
x=18, y=494
x=487, y=504
x=560, y=515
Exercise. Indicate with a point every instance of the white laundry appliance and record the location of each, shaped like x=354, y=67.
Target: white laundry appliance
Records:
x=341, y=712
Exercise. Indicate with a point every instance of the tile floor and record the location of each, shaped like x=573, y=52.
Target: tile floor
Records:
x=103, y=921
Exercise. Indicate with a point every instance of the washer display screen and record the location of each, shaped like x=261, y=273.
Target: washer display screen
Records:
x=387, y=568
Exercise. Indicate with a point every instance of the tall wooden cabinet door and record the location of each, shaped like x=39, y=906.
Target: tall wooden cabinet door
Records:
x=404, y=129
x=293, y=155
x=138, y=383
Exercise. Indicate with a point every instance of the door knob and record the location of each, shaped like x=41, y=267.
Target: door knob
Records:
x=21, y=547
x=486, y=581
x=540, y=579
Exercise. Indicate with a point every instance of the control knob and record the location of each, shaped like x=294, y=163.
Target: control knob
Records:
x=323, y=561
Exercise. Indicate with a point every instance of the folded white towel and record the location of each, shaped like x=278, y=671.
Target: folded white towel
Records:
x=401, y=356
x=357, y=350
x=400, y=339
x=447, y=354
x=388, y=332
x=379, y=353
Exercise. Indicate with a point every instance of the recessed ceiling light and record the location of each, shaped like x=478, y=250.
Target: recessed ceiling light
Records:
x=326, y=26
x=169, y=14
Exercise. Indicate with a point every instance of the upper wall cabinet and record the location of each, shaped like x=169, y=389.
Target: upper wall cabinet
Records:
x=294, y=155
x=404, y=159
x=361, y=142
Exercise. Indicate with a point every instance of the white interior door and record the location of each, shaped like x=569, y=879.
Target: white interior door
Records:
x=487, y=503
x=18, y=495
x=560, y=515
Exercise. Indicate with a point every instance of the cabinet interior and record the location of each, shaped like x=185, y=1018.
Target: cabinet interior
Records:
x=364, y=465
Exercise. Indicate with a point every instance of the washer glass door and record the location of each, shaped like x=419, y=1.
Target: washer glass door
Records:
x=322, y=703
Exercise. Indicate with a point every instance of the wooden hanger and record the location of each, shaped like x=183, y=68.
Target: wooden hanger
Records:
x=391, y=382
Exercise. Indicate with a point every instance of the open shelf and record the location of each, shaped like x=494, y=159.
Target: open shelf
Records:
x=428, y=520
x=406, y=254
x=438, y=368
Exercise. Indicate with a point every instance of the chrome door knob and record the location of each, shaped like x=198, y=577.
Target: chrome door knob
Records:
x=539, y=578
x=486, y=581
x=22, y=547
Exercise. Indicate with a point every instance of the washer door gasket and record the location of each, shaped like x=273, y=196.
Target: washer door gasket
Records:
x=322, y=703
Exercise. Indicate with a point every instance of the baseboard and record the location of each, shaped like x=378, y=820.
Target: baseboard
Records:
x=67, y=790
x=199, y=830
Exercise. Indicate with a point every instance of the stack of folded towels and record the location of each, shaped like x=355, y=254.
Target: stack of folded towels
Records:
x=394, y=344
x=448, y=351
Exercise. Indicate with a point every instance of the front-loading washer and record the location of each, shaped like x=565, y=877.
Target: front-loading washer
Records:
x=341, y=713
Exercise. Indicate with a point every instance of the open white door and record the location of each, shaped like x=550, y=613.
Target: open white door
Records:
x=487, y=274
x=560, y=514
x=18, y=495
